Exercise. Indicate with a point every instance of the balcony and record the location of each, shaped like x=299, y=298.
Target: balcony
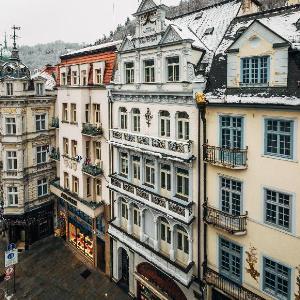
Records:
x=91, y=208
x=55, y=122
x=183, y=212
x=92, y=170
x=181, y=149
x=232, y=158
x=229, y=287
x=182, y=274
x=233, y=224
x=91, y=130
x=55, y=155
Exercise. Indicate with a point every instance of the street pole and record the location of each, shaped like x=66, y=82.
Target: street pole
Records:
x=14, y=279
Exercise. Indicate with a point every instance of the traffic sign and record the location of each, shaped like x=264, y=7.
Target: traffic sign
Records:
x=11, y=246
x=9, y=271
x=11, y=257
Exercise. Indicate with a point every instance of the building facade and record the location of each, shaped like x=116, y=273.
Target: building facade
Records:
x=251, y=151
x=155, y=185
x=26, y=135
x=81, y=153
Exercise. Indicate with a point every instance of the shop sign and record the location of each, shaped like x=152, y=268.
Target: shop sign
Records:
x=11, y=257
x=69, y=199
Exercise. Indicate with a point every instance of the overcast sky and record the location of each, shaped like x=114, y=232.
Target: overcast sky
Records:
x=44, y=21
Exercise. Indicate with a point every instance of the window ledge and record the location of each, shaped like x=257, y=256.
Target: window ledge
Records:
x=280, y=158
x=74, y=123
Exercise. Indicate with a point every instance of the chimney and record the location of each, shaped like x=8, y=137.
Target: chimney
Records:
x=251, y=6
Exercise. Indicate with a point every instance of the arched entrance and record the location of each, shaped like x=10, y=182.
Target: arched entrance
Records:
x=124, y=269
x=152, y=284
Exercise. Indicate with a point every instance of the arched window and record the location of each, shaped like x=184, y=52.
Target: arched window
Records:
x=136, y=120
x=123, y=118
x=183, y=126
x=136, y=216
x=182, y=240
x=124, y=209
x=165, y=231
x=164, y=117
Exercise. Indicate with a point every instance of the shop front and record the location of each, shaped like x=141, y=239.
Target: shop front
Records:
x=152, y=284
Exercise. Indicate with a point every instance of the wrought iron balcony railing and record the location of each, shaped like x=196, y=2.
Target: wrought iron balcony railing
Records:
x=229, y=287
x=55, y=122
x=234, y=224
x=55, y=154
x=233, y=158
x=91, y=130
x=93, y=170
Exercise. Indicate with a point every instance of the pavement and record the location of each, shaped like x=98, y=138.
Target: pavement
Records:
x=51, y=271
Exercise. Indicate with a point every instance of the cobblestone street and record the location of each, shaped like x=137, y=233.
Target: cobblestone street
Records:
x=50, y=271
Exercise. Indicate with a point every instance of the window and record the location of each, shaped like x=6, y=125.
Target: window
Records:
x=149, y=172
x=183, y=126
x=98, y=76
x=129, y=72
x=230, y=260
x=87, y=149
x=276, y=279
x=42, y=187
x=10, y=124
x=255, y=70
x=40, y=122
x=73, y=113
x=279, y=138
x=124, y=164
x=25, y=86
x=83, y=77
x=165, y=177
x=40, y=89
x=123, y=118
x=41, y=154
x=65, y=111
x=182, y=182
x=231, y=196
x=278, y=209
x=124, y=210
x=182, y=240
x=12, y=162
x=74, y=77
x=75, y=185
x=165, y=231
x=98, y=187
x=136, y=120
x=88, y=186
x=74, y=148
x=173, y=68
x=231, y=132
x=149, y=70
x=136, y=162
x=63, y=78
x=97, y=113
x=9, y=89
x=136, y=217
x=164, y=123
x=87, y=113
x=66, y=181
x=12, y=195
x=66, y=146
x=98, y=150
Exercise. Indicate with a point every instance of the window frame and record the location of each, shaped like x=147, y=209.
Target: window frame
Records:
x=166, y=179
x=13, y=159
x=65, y=112
x=123, y=118
x=129, y=72
x=149, y=70
x=185, y=184
x=9, y=89
x=39, y=88
x=149, y=166
x=164, y=122
x=174, y=66
x=12, y=196
x=42, y=185
x=42, y=152
x=185, y=127
x=10, y=125
x=39, y=120
x=73, y=113
x=136, y=167
x=136, y=120
x=98, y=76
x=124, y=164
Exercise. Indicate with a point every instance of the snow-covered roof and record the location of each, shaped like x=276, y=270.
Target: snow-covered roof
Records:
x=93, y=48
x=209, y=24
x=50, y=80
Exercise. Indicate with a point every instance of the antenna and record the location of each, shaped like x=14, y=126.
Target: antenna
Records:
x=14, y=36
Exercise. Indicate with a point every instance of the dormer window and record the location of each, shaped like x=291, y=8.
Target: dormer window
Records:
x=149, y=70
x=83, y=77
x=209, y=31
x=98, y=76
x=198, y=15
x=40, y=89
x=255, y=70
x=173, y=68
x=129, y=72
x=9, y=89
x=74, y=77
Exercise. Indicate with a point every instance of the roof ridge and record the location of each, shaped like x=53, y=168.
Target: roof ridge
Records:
x=203, y=8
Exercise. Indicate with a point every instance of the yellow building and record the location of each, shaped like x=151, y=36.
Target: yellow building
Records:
x=251, y=160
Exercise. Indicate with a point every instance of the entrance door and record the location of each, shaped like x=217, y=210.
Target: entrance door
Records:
x=218, y=296
x=101, y=254
x=124, y=282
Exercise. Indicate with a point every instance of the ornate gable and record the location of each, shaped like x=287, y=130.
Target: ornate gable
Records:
x=170, y=36
x=127, y=45
x=145, y=6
